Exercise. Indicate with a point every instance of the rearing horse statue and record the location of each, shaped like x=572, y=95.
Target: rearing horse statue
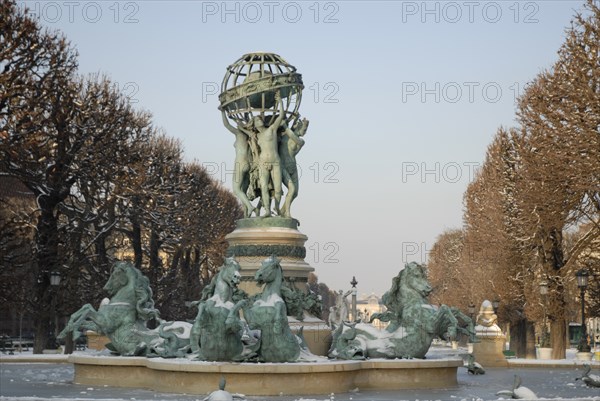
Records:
x=268, y=314
x=123, y=317
x=413, y=323
x=218, y=330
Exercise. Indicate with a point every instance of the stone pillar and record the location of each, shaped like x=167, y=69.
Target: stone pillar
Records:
x=490, y=339
x=489, y=346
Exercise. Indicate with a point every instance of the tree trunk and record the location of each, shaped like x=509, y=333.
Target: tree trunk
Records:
x=136, y=233
x=558, y=326
x=41, y=329
x=194, y=274
x=530, y=344
x=69, y=345
x=102, y=253
x=47, y=259
x=518, y=338
x=558, y=337
x=154, y=272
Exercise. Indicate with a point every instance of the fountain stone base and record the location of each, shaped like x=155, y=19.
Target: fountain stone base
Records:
x=183, y=376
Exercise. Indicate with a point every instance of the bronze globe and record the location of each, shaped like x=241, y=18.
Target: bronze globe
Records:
x=249, y=87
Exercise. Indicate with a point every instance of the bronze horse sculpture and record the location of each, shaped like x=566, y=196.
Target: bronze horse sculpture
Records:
x=413, y=323
x=124, y=315
x=218, y=332
x=267, y=313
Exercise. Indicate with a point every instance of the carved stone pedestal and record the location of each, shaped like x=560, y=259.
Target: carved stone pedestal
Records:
x=488, y=351
x=256, y=239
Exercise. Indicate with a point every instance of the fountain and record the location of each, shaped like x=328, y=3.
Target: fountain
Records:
x=266, y=340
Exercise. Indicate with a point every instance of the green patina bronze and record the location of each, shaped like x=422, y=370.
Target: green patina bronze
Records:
x=218, y=333
x=298, y=301
x=413, y=323
x=124, y=315
x=261, y=94
x=283, y=222
x=268, y=313
x=263, y=250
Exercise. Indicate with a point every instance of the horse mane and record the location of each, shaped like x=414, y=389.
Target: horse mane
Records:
x=143, y=295
x=392, y=299
x=400, y=295
x=209, y=290
x=407, y=292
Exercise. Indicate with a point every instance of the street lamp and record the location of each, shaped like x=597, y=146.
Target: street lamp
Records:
x=582, y=282
x=353, y=283
x=55, y=279
x=544, y=340
x=54, y=283
x=471, y=309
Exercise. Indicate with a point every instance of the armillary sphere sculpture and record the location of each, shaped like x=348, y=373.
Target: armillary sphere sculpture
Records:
x=261, y=95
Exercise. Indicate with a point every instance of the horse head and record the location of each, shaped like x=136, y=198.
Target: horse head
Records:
x=269, y=270
x=414, y=280
x=230, y=272
x=119, y=277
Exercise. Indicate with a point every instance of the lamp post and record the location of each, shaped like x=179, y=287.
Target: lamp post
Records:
x=55, y=279
x=353, y=283
x=54, y=283
x=471, y=309
x=582, y=282
x=544, y=340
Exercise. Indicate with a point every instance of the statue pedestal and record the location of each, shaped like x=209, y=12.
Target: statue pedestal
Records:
x=96, y=341
x=488, y=351
x=256, y=239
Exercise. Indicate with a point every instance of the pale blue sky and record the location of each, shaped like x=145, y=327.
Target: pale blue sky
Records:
x=397, y=87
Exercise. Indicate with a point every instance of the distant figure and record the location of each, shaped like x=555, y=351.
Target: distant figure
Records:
x=486, y=316
x=341, y=311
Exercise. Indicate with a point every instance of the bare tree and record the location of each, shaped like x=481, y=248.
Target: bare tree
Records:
x=560, y=118
x=52, y=124
x=452, y=285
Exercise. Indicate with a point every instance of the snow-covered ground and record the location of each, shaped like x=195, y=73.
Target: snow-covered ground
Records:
x=53, y=381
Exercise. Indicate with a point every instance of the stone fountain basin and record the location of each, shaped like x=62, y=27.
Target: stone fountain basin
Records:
x=193, y=377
